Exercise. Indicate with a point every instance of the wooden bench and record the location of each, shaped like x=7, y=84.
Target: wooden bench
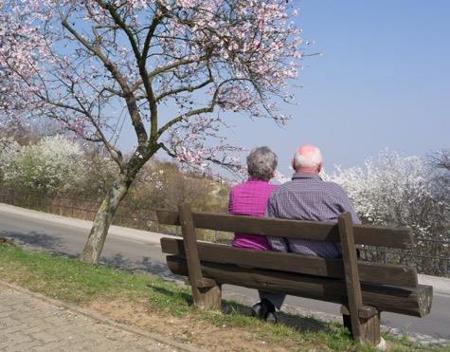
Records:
x=363, y=288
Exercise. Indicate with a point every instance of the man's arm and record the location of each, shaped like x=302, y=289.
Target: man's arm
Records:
x=270, y=209
x=277, y=244
x=347, y=206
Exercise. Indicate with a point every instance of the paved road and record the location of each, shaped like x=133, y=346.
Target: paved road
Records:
x=140, y=250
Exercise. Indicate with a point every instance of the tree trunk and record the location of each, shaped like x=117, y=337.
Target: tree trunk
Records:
x=103, y=219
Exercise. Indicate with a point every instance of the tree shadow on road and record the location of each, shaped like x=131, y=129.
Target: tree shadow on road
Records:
x=34, y=239
x=42, y=241
x=145, y=265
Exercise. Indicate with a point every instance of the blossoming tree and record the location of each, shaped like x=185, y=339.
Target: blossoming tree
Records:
x=172, y=68
x=392, y=189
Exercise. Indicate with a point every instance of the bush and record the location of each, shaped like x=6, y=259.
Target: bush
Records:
x=392, y=189
x=52, y=165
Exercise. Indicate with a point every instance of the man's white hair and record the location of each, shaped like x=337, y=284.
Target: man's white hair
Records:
x=307, y=157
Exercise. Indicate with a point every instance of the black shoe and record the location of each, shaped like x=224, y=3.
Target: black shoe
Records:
x=259, y=310
x=271, y=315
x=265, y=310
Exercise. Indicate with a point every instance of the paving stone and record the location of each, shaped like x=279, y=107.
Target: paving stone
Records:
x=28, y=323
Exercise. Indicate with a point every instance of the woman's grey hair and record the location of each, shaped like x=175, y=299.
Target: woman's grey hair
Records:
x=261, y=163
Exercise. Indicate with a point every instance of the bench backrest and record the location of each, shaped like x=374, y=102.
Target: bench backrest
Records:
x=385, y=274
x=307, y=230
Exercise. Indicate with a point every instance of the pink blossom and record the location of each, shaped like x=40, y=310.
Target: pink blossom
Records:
x=90, y=63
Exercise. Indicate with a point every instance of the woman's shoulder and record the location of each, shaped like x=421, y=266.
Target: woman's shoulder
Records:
x=252, y=184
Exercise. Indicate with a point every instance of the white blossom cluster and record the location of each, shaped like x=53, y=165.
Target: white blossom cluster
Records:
x=397, y=190
x=387, y=189
x=54, y=164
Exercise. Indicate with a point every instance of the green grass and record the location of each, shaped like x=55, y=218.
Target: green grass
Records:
x=69, y=280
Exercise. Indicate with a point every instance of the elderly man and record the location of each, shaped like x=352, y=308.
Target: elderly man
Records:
x=306, y=197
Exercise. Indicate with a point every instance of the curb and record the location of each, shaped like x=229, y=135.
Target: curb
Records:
x=101, y=318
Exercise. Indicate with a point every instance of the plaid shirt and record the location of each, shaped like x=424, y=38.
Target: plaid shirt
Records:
x=308, y=197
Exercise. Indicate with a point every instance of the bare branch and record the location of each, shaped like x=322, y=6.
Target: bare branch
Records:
x=198, y=111
x=157, y=71
x=112, y=10
x=127, y=92
x=151, y=32
x=141, y=61
x=181, y=117
x=190, y=89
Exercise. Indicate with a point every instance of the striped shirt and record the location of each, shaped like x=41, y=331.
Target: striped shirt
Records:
x=308, y=197
x=250, y=198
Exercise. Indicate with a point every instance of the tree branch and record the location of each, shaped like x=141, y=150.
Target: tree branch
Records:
x=134, y=45
x=184, y=89
x=229, y=166
x=181, y=117
x=115, y=154
x=128, y=95
x=169, y=67
x=141, y=61
x=204, y=110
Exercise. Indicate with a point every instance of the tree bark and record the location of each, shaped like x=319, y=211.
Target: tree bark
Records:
x=103, y=219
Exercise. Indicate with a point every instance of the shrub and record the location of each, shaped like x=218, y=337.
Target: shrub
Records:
x=52, y=165
x=392, y=189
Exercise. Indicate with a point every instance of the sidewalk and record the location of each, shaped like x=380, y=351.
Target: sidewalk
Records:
x=31, y=322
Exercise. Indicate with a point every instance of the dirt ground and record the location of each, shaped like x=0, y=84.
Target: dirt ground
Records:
x=190, y=330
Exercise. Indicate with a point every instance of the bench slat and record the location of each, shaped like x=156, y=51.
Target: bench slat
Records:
x=415, y=302
x=388, y=274
x=308, y=230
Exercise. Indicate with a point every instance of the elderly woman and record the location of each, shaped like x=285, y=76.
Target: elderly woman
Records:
x=250, y=198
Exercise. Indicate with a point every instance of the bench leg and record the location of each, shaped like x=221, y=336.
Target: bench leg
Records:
x=206, y=293
x=369, y=328
x=207, y=298
x=363, y=321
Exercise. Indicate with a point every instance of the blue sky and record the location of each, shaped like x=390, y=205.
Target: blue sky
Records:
x=383, y=81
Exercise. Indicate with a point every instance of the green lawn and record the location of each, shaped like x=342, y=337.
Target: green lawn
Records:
x=145, y=300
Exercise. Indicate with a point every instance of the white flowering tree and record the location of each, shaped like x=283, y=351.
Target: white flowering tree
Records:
x=395, y=190
x=171, y=68
x=9, y=150
x=440, y=163
x=53, y=165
